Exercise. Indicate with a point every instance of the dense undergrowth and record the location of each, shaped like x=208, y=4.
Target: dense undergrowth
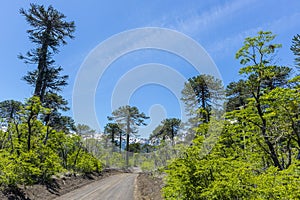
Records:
x=31, y=152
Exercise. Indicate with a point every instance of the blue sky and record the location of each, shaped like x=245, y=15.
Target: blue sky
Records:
x=218, y=25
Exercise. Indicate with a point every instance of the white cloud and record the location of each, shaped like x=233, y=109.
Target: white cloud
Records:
x=228, y=44
x=193, y=23
x=217, y=14
x=284, y=23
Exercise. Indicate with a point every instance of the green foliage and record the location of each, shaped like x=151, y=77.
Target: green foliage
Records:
x=257, y=153
x=135, y=147
x=257, y=49
x=87, y=163
x=8, y=169
x=9, y=109
x=37, y=143
x=168, y=129
x=237, y=94
x=113, y=131
x=147, y=166
x=28, y=167
x=115, y=159
x=27, y=159
x=227, y=175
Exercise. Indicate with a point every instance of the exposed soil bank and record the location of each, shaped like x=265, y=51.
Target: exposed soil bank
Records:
x=58, y=187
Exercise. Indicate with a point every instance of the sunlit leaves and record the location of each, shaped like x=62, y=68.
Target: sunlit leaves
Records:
x=257, y=154
x=257, y=50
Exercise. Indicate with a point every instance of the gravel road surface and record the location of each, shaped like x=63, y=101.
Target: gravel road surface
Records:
x=120, y=186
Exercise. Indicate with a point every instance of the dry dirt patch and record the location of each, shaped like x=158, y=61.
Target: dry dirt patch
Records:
x=148, y=187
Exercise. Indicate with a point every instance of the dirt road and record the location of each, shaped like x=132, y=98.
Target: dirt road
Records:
x=120, y=186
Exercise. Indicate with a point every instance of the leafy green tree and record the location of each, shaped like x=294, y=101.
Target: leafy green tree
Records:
x=49, y=31
x=9, y=113
x=130, y=118
x=230, y=171
x=54, y=119
x=32, y=109
x=285, y=115
x=9, y=109
x=30, y=160
x=86, y=133
x=256, y=155
x=40, y=144
x=258, y=52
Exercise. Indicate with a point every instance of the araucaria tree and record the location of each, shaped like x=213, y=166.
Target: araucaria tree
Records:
x=130, y=118
x=203, y=96
x=296, y=49
x=237, y=94
x=168, y=129
x=113, y=130
x=49, y=31
x=36, y=143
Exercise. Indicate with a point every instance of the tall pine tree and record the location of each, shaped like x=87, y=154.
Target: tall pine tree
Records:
x=49, y=31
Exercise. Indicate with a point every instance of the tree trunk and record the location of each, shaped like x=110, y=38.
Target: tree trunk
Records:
x=263, y=129
x=127, y=141
x=31, y=115
x=172, y=135
x=113, y=140
x=76, y=157
x=120, y=144
x=10, y=138
x=19, y=137
x=42, y=65
x=47, y=135
x=205, y=115
x=29, y=135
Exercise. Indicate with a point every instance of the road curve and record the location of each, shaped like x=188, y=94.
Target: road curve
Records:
x=120, y=186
